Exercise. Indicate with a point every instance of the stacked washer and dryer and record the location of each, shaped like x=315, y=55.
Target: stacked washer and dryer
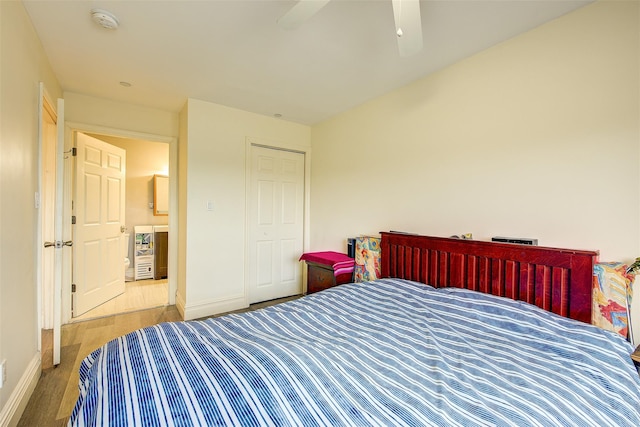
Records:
x=144, y=253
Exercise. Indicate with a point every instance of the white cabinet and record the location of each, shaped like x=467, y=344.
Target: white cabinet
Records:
x=143, y=252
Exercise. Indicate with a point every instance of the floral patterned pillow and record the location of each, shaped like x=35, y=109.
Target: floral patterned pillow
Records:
x=611, y=295
x=367, y=260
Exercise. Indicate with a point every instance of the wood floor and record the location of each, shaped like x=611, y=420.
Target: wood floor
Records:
x=138, y=295
x=55, y=395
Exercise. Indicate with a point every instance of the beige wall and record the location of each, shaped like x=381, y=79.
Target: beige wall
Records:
x=23, y=65
x=212, y=168
x=144, y=159
x=89, y=110
x=536, y=137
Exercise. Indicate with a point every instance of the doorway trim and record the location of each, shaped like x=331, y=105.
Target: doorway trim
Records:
x=47, y=302
x=47, y=105
x=276, y=145
x=70, y=129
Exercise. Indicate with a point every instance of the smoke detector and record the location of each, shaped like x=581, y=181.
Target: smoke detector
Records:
x=104, y=19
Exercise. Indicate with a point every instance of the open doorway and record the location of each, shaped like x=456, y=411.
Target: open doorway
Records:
x=144, y=160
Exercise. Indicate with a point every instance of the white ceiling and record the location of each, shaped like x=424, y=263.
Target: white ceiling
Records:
x=232, y=52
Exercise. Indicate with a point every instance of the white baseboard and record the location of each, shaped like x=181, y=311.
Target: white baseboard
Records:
x=211, y=307
x=13, y=409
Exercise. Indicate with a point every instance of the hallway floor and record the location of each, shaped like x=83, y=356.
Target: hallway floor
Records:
x=138, y=295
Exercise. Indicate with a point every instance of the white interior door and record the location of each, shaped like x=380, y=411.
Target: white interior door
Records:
x=61, y=251
x=51, y=205
x=99, y=210
x=48, y=211
x=276, y=215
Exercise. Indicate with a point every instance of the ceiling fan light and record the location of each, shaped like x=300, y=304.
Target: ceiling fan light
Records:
x=406, y=14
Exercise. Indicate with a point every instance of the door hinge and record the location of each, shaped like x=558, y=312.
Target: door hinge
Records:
x=74, y=151
x=73, y=219
x=73, y=287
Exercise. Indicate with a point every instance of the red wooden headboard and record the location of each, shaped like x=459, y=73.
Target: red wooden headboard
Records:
x=557, y=280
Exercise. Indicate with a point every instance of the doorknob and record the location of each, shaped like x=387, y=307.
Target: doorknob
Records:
x=123, y=228
x=58, y=244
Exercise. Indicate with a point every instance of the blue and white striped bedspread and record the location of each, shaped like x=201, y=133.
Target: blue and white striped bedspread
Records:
x=386, y=353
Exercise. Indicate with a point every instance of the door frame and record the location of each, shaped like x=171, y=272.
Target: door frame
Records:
x=250, y=142
x=46, y=102
x=70, y=129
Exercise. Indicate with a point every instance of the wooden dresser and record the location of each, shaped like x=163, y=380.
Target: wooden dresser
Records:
x=322, y=273
x=321, y=277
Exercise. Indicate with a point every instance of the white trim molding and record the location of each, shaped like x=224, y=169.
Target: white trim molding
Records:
x=210, y=307
x=13, y=409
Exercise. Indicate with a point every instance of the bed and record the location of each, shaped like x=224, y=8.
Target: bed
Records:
x=456, y=333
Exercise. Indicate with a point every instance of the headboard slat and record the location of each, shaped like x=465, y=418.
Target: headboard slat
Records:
x=511, y=279
x=557, y=280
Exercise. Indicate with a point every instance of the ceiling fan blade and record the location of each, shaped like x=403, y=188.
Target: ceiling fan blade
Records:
x=408, y=26
x=300, y=12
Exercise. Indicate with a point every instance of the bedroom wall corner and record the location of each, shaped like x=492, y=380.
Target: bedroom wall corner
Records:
x=183, y=143
x=23, y=65
x=212, y=159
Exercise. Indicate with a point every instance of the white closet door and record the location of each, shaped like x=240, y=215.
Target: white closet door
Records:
x=276, y=214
